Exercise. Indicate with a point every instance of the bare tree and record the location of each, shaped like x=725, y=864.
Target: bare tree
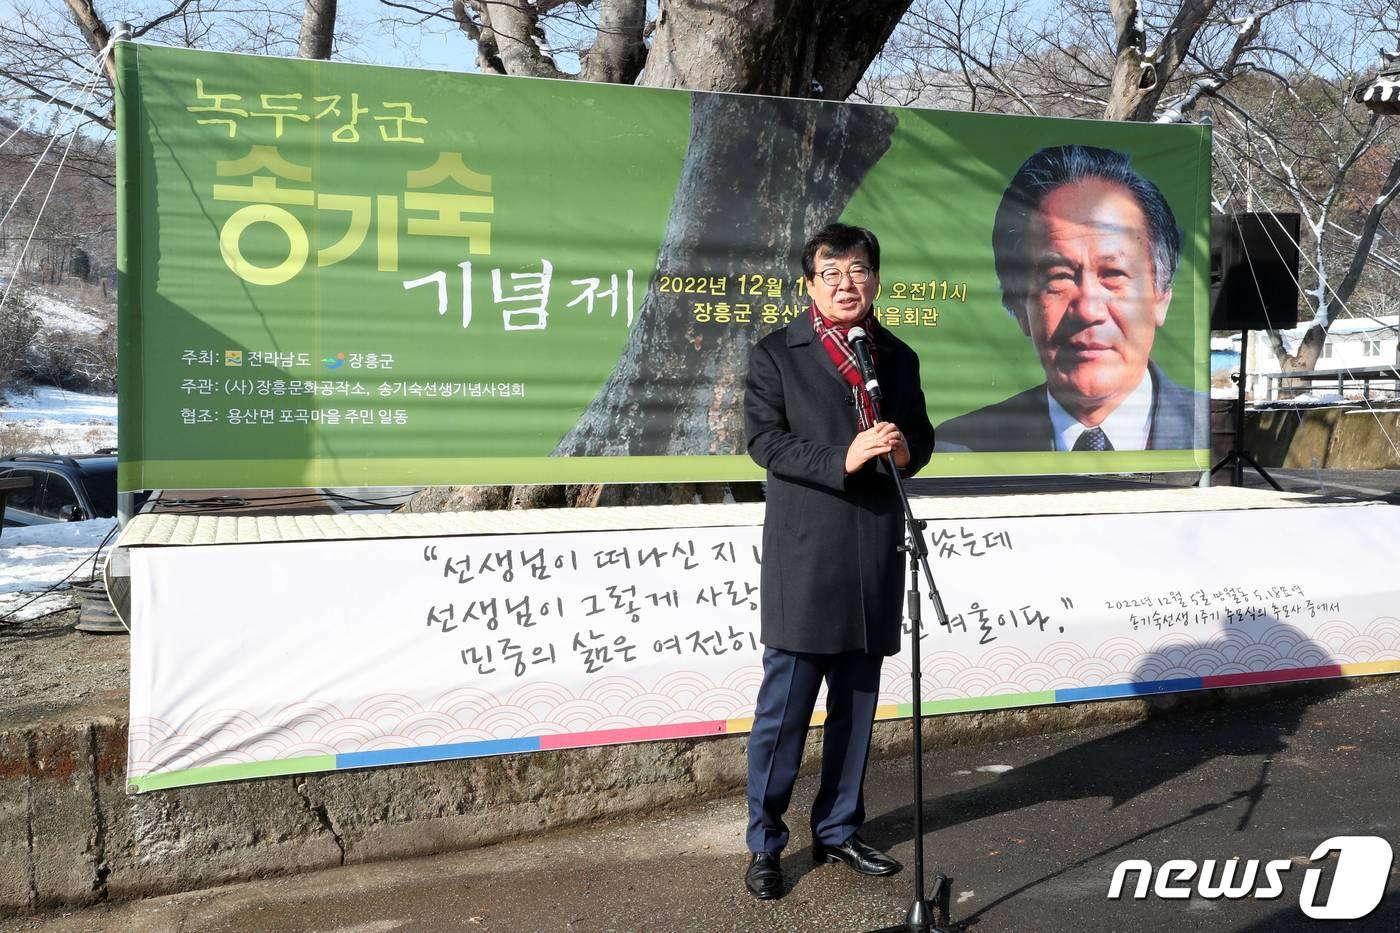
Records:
x=956, y=55
x=1293, y=138
x=57, y=75
x=1276, y=77
x=48, y=52
x=1139, y=77
x=1119, y=60
x=805, y=176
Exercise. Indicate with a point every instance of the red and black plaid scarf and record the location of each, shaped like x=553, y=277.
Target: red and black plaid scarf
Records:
x=833, y=337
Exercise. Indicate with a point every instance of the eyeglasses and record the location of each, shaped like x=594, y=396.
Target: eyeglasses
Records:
x=858, y=275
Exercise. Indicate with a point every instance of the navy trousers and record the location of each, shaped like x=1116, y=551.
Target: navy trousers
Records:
x=785, y=701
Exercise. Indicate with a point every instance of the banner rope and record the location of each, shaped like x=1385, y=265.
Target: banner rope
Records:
x=98, y=59
x=58, y=170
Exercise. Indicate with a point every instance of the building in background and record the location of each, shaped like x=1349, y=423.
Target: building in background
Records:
x=1360, y=356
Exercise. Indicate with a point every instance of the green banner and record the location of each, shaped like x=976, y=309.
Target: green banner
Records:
x=336, y=274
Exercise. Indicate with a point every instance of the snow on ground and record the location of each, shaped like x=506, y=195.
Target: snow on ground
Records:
x=36, y=557
x=64, y=422
x=49, y=404
x=56, y=314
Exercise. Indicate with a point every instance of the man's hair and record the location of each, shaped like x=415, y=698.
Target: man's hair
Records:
x=1047, y=170
x=840, y=240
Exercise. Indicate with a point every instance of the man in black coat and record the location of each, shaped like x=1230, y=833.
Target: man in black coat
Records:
x=1086, y=250
x=831, y=583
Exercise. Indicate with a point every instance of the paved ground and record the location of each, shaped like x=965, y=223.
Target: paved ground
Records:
x=45, y=666
x=1360, y=484
x=1029, y=829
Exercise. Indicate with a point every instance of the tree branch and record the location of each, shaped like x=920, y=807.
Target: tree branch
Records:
x=519, y=39
x=96, y=33
x=92, y=115
x=178, y=10
x=1352, y=277
x=1138, y=82
x=488, y=57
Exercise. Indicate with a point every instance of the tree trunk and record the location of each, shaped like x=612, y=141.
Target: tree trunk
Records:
x=789, y=48
x=1138, y=81
x=760, y=175
x=95, y=31
x=618, y=52
x=1305, y=358
x=789, y=183
x=317, y=29
x=747, y=200
x=515, y=29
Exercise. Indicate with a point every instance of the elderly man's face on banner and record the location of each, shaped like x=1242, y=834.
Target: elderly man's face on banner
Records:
x=1092, y=307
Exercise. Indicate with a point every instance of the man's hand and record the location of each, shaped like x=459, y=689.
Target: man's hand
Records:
x=883, y=438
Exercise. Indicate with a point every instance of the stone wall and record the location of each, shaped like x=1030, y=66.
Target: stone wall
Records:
x=1337, y=438
x=70, y=835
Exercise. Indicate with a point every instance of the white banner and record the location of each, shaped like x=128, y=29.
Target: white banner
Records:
x=260, y=659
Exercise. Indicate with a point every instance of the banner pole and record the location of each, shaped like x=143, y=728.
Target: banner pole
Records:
x=124, y=91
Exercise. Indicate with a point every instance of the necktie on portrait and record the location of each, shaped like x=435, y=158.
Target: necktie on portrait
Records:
x=1093, y=439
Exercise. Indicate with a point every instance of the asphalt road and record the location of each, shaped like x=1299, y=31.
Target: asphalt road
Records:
x=1361, y=484
x=1029, y=829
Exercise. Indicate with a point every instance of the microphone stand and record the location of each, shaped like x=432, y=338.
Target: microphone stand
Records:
x=920, y=916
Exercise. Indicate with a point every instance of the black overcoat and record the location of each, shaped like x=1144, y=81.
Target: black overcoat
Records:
x=832, y=579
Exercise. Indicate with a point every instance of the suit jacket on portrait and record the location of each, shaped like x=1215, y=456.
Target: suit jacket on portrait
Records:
x=832, y=578
x=1022, y=422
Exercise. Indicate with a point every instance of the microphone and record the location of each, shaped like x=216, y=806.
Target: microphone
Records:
x=860, y=343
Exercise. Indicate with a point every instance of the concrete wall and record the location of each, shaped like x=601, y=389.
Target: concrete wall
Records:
x=1340, y=438
x=70, y=835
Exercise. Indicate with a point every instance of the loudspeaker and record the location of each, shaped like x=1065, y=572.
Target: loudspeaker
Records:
x=1254, y=271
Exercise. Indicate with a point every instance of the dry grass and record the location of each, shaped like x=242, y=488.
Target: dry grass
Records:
x=23, y=439
x=19, y=438
x=92, y=295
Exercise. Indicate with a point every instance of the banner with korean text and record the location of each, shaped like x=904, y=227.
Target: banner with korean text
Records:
x=338, y=274
x=387, y=650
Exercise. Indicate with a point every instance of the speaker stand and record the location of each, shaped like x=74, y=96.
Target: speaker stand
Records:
x=1239, y=456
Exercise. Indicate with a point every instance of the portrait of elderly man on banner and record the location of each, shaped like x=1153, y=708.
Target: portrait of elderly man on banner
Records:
x=1085, y=252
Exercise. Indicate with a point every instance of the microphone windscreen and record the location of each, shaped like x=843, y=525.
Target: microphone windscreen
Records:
x=857, y=333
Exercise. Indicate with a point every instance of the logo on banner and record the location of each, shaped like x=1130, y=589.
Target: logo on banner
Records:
x=1358, y=878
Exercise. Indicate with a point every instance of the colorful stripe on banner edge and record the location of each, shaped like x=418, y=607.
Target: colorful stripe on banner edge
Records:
x=490, y=747
x=239, y=771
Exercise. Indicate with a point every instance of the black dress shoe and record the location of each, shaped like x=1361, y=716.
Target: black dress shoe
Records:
x=764, y=879
x=856, y=853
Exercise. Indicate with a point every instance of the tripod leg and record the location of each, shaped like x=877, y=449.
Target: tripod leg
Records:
x=1224, y=462
x=1261, y=471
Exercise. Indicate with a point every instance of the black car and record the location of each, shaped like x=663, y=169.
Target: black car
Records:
x=65, y=489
